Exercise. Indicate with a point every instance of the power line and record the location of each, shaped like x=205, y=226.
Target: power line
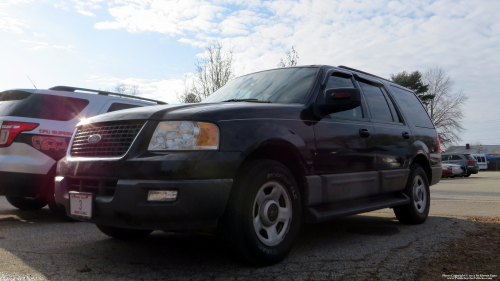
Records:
x=482, y=139
x=483, y=121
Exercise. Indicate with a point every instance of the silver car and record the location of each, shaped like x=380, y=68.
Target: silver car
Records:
x=456, y=170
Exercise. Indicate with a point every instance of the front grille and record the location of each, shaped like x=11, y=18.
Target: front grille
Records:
x=100, y=187
x=115, y=139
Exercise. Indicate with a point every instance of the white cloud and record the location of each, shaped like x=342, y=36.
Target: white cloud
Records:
x=40, y=34
x=82, y=6
x=11, y=25
x=168, y=17
x=40, y=45
x=62, y=5
x=5, y=3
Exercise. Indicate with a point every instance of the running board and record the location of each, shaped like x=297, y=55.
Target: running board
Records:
x=342, y=209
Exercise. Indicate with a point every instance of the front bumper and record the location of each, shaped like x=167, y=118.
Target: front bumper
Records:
x=198, y=206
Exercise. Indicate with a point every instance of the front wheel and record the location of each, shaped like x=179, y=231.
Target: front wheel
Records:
x=123, y=233
x=263, y=215
x=417, y=189
x=26, y=203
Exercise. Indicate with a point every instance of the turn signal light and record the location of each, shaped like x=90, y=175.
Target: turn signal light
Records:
x=9, y=131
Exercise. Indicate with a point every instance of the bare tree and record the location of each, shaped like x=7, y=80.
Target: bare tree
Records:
x=133, y=90
x=120, y=88
x=213, y=71
x=291, y=58
x=445, y=109
x=125, y=89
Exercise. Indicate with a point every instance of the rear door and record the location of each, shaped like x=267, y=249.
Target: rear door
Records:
x=392, y=137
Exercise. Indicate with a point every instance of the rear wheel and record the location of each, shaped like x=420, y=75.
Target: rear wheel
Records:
x=468, y=175
x=123, y=233
x=263, y=215
x=26, y=203
x=417, y=189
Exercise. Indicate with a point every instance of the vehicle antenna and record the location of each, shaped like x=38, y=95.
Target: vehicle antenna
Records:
x=32, y=82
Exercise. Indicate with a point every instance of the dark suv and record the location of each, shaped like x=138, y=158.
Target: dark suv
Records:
x=468, y=163
x=259, y=156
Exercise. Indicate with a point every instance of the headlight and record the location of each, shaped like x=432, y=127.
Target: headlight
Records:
x=453, y=168
x=185, y=135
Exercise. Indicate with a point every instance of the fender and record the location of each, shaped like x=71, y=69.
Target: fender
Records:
x=247, y=136
x=418, y=148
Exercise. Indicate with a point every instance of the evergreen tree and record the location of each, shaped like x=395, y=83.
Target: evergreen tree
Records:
x=413, y=81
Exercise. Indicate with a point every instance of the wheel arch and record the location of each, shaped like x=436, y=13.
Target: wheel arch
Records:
x=286, y=154
x=423, y=161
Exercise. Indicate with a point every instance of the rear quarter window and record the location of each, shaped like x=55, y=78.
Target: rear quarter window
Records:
x=50, y=107
x=414, y=110
x=121, y=106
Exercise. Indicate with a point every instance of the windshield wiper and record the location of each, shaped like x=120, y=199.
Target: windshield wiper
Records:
x=248, y=100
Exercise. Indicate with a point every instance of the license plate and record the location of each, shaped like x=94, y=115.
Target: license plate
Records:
x=80, y=204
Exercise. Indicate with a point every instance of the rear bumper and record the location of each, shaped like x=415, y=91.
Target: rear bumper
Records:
x=22, y=184
x=437, y=172
x=199, y=203
x=472, y=169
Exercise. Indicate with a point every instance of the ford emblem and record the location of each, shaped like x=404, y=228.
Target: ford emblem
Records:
x=94, y=139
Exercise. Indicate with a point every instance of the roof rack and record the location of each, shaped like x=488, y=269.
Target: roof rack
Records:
x=366, y=73
x=103, y=93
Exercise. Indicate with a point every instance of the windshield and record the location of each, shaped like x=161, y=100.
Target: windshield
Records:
x=288, y=85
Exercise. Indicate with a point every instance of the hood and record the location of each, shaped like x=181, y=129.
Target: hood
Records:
x=212, y=112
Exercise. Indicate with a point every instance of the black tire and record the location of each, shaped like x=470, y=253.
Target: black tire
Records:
x=468, y=175
x=417, y=189
x=276, y=212
x=26, y=203
x=123, y=233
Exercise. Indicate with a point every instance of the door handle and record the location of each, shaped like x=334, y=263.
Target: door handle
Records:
x=364, y=133
x=406, y=135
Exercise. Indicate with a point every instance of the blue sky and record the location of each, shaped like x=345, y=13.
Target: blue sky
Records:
x=154, y=44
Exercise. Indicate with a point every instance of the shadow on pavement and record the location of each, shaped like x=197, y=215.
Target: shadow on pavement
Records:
x=361, y=247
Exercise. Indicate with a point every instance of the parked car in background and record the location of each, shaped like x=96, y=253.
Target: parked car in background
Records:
x=452, y=170
x=482, y=162
x=35, y=130
x=468, y=162
x=255, y=159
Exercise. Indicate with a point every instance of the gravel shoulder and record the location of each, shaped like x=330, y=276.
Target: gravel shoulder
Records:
x=475, y=256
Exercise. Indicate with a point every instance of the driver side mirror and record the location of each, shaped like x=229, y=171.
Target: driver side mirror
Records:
x=340, y=99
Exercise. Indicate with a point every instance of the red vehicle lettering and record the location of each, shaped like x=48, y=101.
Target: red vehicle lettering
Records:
x=47, y=143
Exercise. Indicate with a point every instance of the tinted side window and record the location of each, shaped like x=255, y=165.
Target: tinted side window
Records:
x=376, y=102
x=444, y=157
x=121, y=106
x=456, y=157
x=415, y=110
x=10, y=99
x=336, y=81
x=49, y=107
x=395, y=114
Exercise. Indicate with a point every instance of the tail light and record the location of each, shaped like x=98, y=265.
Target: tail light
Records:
x=10, y=130
x=438, y=146
x=469, y=162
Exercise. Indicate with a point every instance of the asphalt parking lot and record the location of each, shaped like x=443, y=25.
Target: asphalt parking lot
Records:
x=373, y=246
